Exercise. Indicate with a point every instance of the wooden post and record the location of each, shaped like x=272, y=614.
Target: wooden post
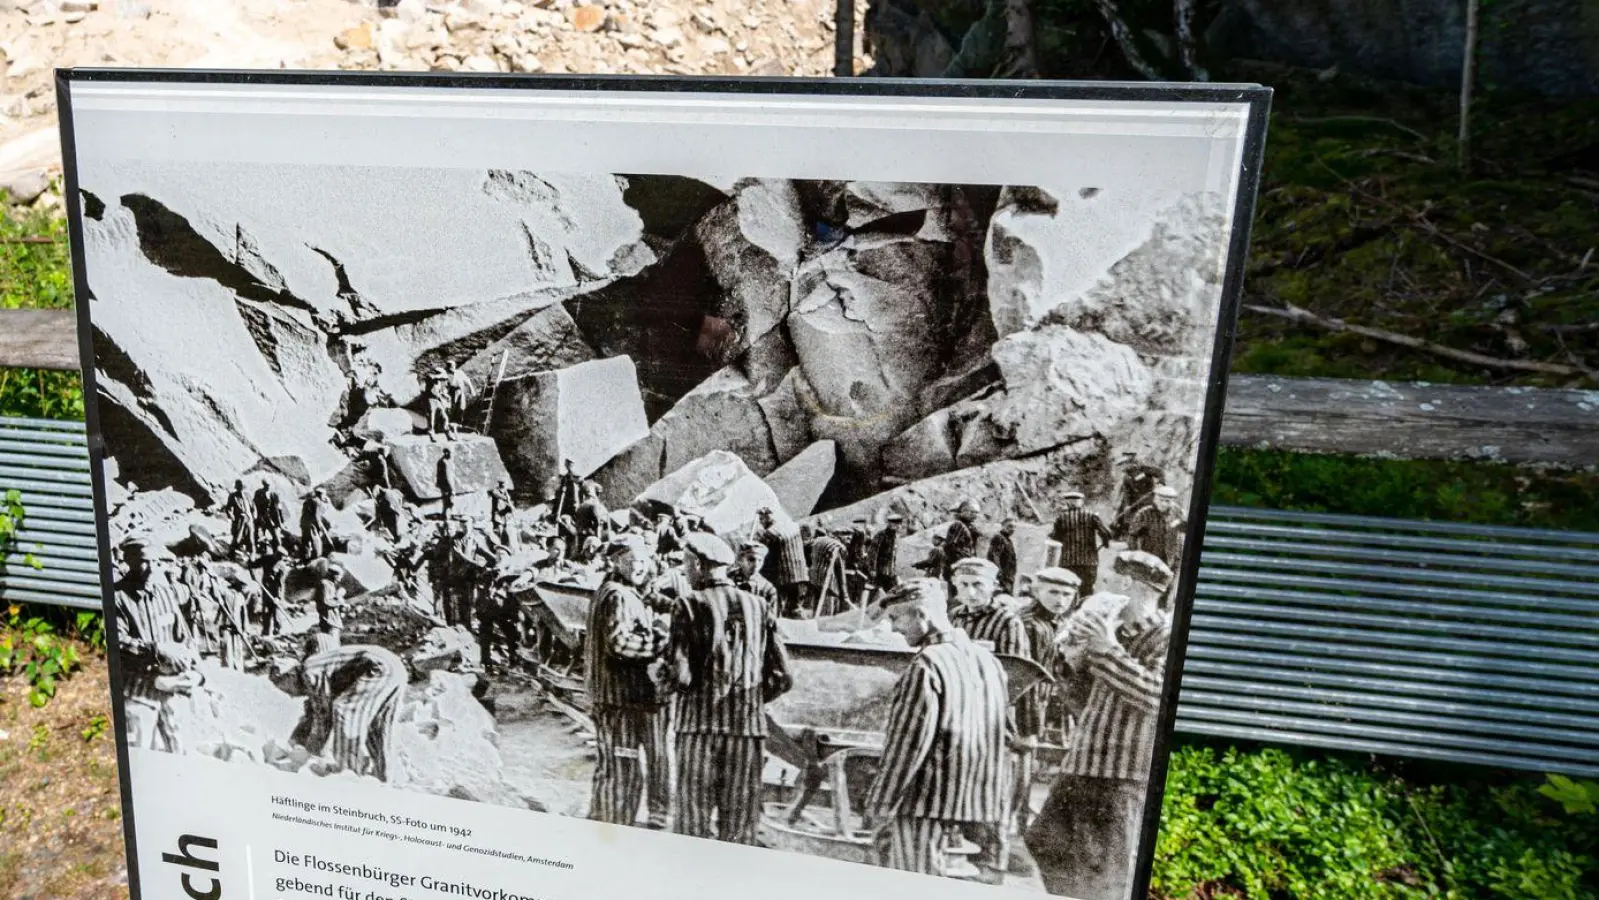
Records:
x=1468, y=78
x=844, y=39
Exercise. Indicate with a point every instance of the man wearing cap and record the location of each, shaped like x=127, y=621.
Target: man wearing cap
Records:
x=1084, y=838
x=1159, y=528
x=621, y=641
x=858, y=557
x=1054, y=596
x=786, y=566
x=1080, y=534
x=884, y=558
x=727, y=662
x=944, y=771
x=497, y=611
x=352, y=702
x=985, y=621
x=747, y=575
x=591, y=518
x=960, y=538
x=240, y=510
x=1002, y=553
x=150, y=626
x=436, y=387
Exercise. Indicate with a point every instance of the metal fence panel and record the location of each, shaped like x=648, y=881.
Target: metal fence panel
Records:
x=1459, y=643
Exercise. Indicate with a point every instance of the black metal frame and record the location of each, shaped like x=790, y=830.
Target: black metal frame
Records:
x=1256, y=98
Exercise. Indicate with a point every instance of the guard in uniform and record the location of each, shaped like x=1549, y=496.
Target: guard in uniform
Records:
x=727, y=662
x=1002, y=553
x=621, y=642
x=945, y=765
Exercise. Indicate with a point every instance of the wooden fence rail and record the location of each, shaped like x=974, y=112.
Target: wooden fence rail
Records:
x=1313, y=415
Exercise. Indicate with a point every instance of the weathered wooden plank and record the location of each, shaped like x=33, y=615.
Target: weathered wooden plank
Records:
x=1413, y=421
x=1315, y=415
x=39, y=338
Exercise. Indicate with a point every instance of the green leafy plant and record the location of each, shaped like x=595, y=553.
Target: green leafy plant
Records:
x=96, y=728
x=32, y=647
x=89, y=627
x=1577, y=798
x=11, y=517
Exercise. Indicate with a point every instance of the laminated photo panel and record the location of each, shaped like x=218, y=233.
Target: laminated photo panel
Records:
x=578, y=487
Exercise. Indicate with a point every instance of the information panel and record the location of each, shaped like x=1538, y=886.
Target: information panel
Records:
x=569, y=488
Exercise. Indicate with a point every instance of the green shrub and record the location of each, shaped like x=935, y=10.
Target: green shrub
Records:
x=1296, y=825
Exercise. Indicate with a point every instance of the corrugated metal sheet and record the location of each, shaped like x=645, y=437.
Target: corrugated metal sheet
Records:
x=1458, y=643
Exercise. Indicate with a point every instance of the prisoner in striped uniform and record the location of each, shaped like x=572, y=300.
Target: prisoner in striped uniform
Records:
x=1081, y=535
x=1055, y=592
x=829, y=581
x=727, y=661
x=975, y=582
x=149, y=614
x=786, y=567
x=1085, y=836
x=945, y=765
x=352, y=703
x=620, y=643
x=999, y=627
x=746, y=574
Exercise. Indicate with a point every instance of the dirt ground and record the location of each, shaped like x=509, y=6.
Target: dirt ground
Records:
x=60, y=812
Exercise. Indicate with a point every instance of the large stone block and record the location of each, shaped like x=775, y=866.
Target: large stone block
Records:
x=800, y=482
x=719, y=488
x=751, y=244
x=585, y=413
x=475, y=464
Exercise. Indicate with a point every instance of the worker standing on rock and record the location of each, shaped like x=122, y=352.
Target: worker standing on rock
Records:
x=461, y=390
x=944, y=775
x=727, y=662
x=621, y=641
x=352, y=704
x=150, y=626
x=444, y=481
x=501, y=509
x=436, y=387
x=1081, y=534
x=269, y=523
x=316, y=525
x=329, y=598
x=786, y=566
x=240, y=510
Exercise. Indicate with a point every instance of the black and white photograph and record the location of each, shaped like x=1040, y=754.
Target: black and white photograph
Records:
x=841, y=518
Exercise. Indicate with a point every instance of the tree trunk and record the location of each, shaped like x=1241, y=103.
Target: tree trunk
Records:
x=1468, y=77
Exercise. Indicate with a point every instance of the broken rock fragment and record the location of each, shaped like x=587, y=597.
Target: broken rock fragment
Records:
x=800, y=482
x=719, y=488
x=475, y=464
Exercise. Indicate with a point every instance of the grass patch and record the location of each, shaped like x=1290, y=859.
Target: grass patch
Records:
x=1452, y=491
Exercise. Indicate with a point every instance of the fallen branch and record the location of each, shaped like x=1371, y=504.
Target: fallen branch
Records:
x=1306, y=317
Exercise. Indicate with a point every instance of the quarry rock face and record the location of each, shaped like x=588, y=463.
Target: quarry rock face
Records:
x=751, y=244
x=585, y=413
x=276, y=304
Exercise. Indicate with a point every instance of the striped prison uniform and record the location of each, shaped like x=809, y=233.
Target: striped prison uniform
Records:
x=727, y=660
x=757, y=584
x=787, y=569
x=149, y=614
x=829, y=583
x=1080, y=534
x=352, y=703
x=232, y=632
x=1002, y=627
x=1153, y=531
x=945, y=757
x=620, y=643
x=1085, y=837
